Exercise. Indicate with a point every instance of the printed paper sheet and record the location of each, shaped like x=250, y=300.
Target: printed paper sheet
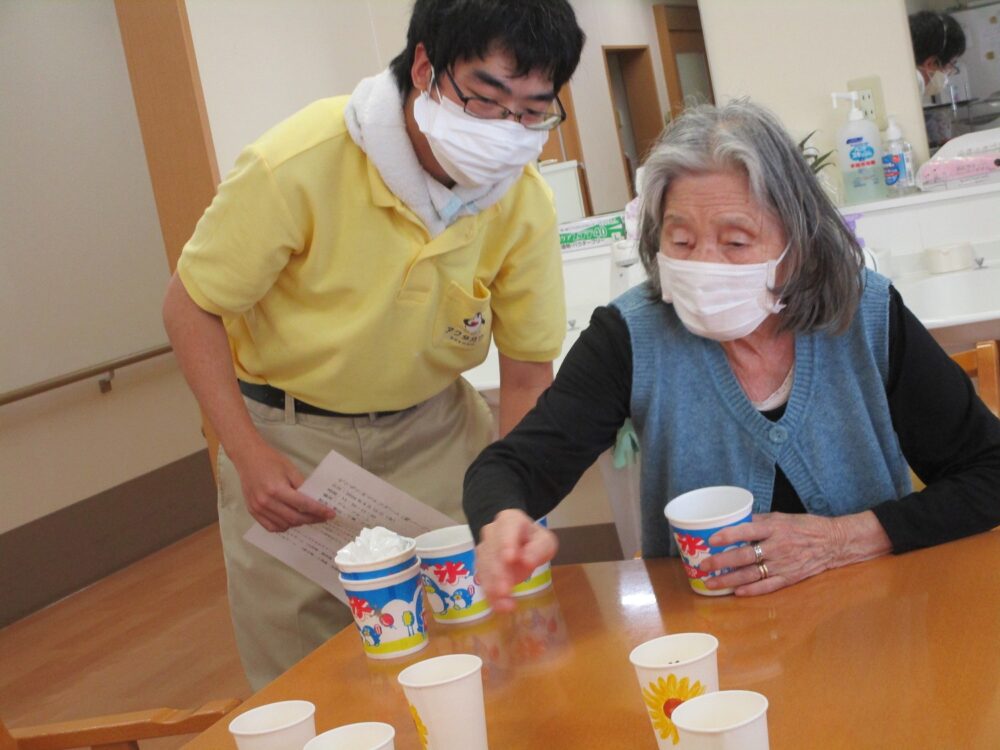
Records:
x=361, y=499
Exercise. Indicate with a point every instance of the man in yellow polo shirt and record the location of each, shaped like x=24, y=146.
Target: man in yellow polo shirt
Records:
x=352, y=266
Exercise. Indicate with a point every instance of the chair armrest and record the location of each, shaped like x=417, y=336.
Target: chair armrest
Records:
x=121, y=728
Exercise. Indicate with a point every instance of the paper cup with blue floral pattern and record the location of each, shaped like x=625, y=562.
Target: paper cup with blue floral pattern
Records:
x=448, y=566
x=697, y=515
x=388, y=613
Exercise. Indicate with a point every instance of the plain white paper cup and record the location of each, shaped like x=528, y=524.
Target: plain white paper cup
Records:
x=368, y=735
x=448, y=569
x=275, y=726
x=697, y=515
x=445, y=694
x=672, y=669
x=726, y=720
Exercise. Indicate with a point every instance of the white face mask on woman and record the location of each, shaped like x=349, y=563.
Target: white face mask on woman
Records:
x=935, y=86
x=720, y=301
x=475, y=152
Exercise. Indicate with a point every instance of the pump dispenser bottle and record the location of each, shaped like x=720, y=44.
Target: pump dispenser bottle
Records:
x=859, y=154
x=900, y=177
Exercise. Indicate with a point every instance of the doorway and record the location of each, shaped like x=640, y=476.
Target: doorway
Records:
x=636, y=106
x=685, y=61
x=564, y=145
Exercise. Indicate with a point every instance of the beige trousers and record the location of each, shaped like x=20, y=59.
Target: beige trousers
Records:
x=278, y=615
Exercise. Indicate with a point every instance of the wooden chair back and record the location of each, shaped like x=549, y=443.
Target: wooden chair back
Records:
x=7, y=742
x=117, y=732
x=983, y=364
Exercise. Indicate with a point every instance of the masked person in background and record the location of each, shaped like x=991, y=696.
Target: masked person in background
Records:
x=938, y=41
x=352, y=266
x=761, y=354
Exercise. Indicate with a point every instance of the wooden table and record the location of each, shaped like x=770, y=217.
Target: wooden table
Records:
x=899, y=652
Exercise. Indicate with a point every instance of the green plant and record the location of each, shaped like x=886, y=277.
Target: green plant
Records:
x=811, y=154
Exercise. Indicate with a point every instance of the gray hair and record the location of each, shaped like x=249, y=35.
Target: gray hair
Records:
x=824, y=282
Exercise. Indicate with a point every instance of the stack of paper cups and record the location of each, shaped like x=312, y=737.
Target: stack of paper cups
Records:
x=386, y=602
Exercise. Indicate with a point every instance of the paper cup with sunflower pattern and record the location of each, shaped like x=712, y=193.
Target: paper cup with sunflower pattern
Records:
x=695, y=516
x=672, y=669
x=445, y=694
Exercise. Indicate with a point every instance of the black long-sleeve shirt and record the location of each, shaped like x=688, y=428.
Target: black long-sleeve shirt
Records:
x=948, y=436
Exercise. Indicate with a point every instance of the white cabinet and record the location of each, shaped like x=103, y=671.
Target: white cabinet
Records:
x=564, y=179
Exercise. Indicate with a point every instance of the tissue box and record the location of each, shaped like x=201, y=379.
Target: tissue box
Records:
x=592, y=231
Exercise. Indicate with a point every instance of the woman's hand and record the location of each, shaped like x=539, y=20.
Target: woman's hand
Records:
x=510, y=548
x=795, y=547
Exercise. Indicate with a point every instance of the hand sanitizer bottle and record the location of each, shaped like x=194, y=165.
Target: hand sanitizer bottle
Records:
x=859, y=155
x=900, y=177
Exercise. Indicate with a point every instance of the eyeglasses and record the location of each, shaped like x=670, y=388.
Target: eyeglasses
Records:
x=488, y=109
x=951, y=69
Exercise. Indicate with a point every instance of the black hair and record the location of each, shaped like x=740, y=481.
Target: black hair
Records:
x=541, y=35
x=936, y=35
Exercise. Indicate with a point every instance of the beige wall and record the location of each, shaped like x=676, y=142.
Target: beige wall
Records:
x=83, y=266
x=608, y=23
x=262, y=60
x=76, y=205
x=789, y=56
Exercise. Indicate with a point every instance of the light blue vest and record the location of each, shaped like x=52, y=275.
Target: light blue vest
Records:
x=835, y=441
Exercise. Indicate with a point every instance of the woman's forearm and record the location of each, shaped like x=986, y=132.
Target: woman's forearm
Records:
x=858, y=537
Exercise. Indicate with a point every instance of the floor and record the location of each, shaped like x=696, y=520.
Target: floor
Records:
x=154, y=634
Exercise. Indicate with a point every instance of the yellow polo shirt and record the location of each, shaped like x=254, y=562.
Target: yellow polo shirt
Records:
x=331, y=289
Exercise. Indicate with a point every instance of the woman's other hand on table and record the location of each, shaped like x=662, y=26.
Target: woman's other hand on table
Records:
x=510, y=548
x=793, y=547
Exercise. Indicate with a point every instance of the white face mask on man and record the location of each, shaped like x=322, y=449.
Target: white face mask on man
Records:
x=475, y=152
x=720, y=301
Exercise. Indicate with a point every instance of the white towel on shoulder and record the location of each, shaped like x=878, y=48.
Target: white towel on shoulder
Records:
x=374, y=117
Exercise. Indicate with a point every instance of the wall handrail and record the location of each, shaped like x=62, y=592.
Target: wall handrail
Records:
x=104, y=368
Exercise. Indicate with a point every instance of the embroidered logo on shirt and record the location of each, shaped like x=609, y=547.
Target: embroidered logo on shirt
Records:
x=473, y=324
x=474, y=330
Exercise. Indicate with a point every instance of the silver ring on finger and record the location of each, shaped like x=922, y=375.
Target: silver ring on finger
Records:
x=763, y=571
x=758, y=554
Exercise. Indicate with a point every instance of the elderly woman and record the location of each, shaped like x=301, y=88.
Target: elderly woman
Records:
x=760, y=353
